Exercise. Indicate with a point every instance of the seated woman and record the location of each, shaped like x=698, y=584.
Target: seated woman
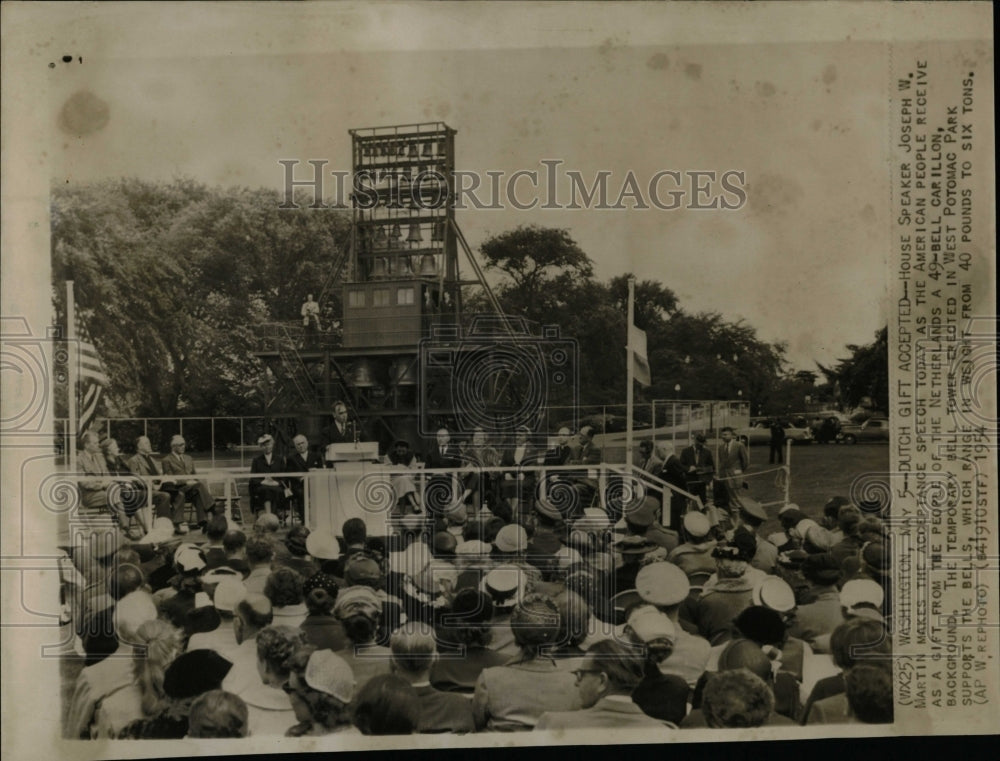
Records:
x=403, y=484
x=218, y=714
x=387, y=705
x=320, y=685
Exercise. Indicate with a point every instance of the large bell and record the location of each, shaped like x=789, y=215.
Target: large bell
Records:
x=381, y=268
x=428, y=266
x=404, y=268
x=363, y=375
x=414, y=151
x=428, y=150
x=437, y=234
x=381, y=241
x=404, y=372
x=396, y=234
x=402, y=150
x=414, y=235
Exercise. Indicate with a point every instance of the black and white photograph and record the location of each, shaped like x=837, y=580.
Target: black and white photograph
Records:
x=490, y=374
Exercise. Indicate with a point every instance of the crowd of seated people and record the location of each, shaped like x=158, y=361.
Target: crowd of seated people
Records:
x=485, y=613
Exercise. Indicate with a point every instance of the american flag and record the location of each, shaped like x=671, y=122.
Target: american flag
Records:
x=93, y=378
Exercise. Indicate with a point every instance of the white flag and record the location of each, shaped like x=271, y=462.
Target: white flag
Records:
x=640, y=362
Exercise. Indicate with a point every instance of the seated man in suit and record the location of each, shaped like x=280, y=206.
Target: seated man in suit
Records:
x=94, y=490
x=267, y=493
x=179, y=464
x=605, y=680
x=143, y=463
x=301, y=461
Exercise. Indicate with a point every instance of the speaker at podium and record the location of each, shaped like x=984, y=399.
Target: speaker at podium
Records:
x=336, y=496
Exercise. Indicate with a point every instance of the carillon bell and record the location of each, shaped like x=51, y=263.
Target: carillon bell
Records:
x=428, y=266
x=414, y=151
x=402, y=149
x=414, y=235
x=405, y=269
x=380, y=238
x=381, y=269
x=404, y=372
x=428, y=150
x=396, y=233
x=363, y=376
x=437, y=234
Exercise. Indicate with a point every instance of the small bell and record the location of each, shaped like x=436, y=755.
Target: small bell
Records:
x=414, y=235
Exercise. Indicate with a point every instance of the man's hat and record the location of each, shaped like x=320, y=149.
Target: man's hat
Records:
x=753, y=508
x=511, y=538
x=697, y=525
x=821, y=569
x=774, y=593
x=189, y=560
x=328, y=672
x=700, y=438
x=650, y=624
x=444, y=543
x=322, y=545
x=362, y=570
x=194, y=673
x=645, y=514
x=862, y=591
x=634, y=545
x=229, y=593
x=264, y=439
x=662, y=584
x=505, y=586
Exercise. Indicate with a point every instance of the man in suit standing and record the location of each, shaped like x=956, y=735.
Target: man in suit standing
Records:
x=699, y=467
x=733, y=460
x=142, y=463
x=520, y=485
x=179, y=464
x=301, y=461
x=341, y=430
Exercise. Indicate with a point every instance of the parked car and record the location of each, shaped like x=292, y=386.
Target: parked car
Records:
x=873, y=429
x=759, y=432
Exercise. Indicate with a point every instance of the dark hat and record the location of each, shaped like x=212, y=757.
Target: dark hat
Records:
x=790, y=517
x=444, y=543
x=875, y=557
x=202, y=618
x=634, y=545
x=644, y=515
x=700, y=438
x=535, y=620
x=264, y=439
x=753, y=508
x=821, y=569
x=731, y=551
x=362, y=570
x=763, y=625
x=322, y=581
x=194, y=673
x=792, y=558
x=746, y=542
x=472, y=607
x=834, y=504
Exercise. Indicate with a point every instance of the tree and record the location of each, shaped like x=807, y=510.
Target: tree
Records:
x=532, y=257
x=174, y=278
x=864, y=374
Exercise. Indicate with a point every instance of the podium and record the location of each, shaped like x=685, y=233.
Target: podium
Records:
x=357, y=486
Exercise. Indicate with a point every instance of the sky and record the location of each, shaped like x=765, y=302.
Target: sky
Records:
x=803, y=261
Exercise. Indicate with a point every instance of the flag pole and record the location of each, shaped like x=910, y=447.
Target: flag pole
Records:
x=630, y=393
x=74, y=358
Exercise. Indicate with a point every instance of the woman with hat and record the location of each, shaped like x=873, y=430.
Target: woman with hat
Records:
x=731, y=592
x=320, y=686
x=128, y=497
x=513, y=697
x=359, y=609
x=401, y=457
x=321, y=628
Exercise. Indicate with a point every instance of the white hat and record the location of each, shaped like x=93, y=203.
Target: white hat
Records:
x=322, y=545
x=697, y=524
x=662, y=583
x=774, y=593
x=649, y=624
x=328, y=672
x=229, y=593
x=567, y=556
x=858, y=591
